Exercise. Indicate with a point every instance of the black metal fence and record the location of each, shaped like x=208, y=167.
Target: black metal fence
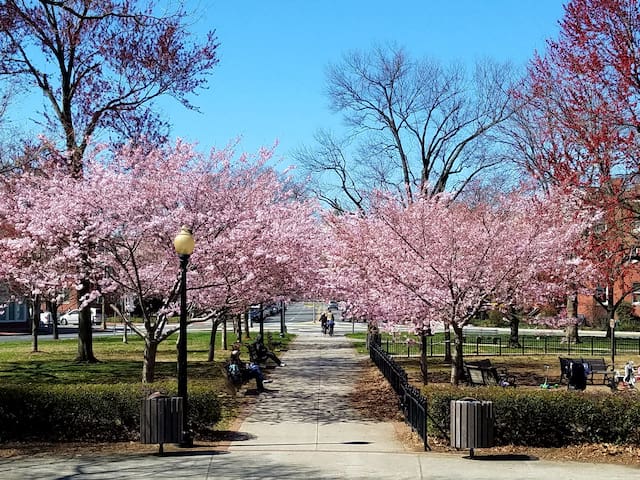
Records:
x=488, y=345
x=412, y=402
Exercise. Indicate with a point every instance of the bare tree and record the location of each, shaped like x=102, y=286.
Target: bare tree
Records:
x=420, y=128
x=328, y=172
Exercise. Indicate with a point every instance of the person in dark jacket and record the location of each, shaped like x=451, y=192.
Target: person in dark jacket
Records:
x=263, y=353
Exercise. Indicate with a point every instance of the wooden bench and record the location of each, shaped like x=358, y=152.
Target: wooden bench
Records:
x=483, y=373
x=597, y=366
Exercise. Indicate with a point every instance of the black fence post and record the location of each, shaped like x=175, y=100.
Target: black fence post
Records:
x=413, y=403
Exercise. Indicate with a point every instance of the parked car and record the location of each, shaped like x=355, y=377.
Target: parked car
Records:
x=254, y=313
x=274, y=309
x=332, y=305
x=72, y=317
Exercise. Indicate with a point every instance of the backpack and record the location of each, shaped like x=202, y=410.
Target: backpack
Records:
x=235, y=375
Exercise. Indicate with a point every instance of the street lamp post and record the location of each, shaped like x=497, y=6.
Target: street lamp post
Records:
x=612, y=326
x=283, y=328
x=184, y=245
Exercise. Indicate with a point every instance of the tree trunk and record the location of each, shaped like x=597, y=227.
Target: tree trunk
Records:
x=456, y=364
x=224, y=333
x=239, y=321
x=212, y=341
x=447, y=343
x=611, y=311
x=424, y=368
x=247, y=334
x=53, y=308
x=103, y=313
x=35, y=323
x=261, y=322
x=571, y=331
x=149, y=360
x=85, y=334
x=514, y=327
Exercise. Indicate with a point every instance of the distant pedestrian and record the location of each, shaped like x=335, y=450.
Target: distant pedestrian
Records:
x=330, y=323
x=323, y=322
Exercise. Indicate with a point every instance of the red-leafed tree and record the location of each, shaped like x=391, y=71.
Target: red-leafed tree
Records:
x=99, y=65
x=580, y=124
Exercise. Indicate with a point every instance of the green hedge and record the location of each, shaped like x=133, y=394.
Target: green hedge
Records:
x=96, y=413
x=545, y=418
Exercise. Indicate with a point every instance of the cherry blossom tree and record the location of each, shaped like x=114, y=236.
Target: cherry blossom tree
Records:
x=443, y=262
x=116, y=224
x=100, y=65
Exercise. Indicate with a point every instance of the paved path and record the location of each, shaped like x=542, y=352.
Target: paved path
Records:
x=304, y=429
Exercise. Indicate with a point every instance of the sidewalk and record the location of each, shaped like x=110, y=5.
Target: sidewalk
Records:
x=304, y=429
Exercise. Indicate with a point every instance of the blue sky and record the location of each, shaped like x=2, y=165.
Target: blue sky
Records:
x=273, y=54
x=270, y=81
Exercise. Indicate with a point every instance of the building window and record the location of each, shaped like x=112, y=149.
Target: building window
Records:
x=601, y=294
x=635, y=295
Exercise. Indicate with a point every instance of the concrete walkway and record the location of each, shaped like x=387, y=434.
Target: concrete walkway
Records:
x=304, y=429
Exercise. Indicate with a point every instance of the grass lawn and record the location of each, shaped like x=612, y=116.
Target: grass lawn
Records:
x=118, y=362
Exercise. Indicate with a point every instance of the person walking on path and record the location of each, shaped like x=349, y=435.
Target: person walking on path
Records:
x=331, y=323
x=323, y=323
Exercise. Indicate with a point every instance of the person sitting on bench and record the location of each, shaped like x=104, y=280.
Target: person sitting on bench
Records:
x=247, y=371
x=263, y=353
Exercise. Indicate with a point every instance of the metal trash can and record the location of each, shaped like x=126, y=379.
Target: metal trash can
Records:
x=161, y=420
x=472, y=424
